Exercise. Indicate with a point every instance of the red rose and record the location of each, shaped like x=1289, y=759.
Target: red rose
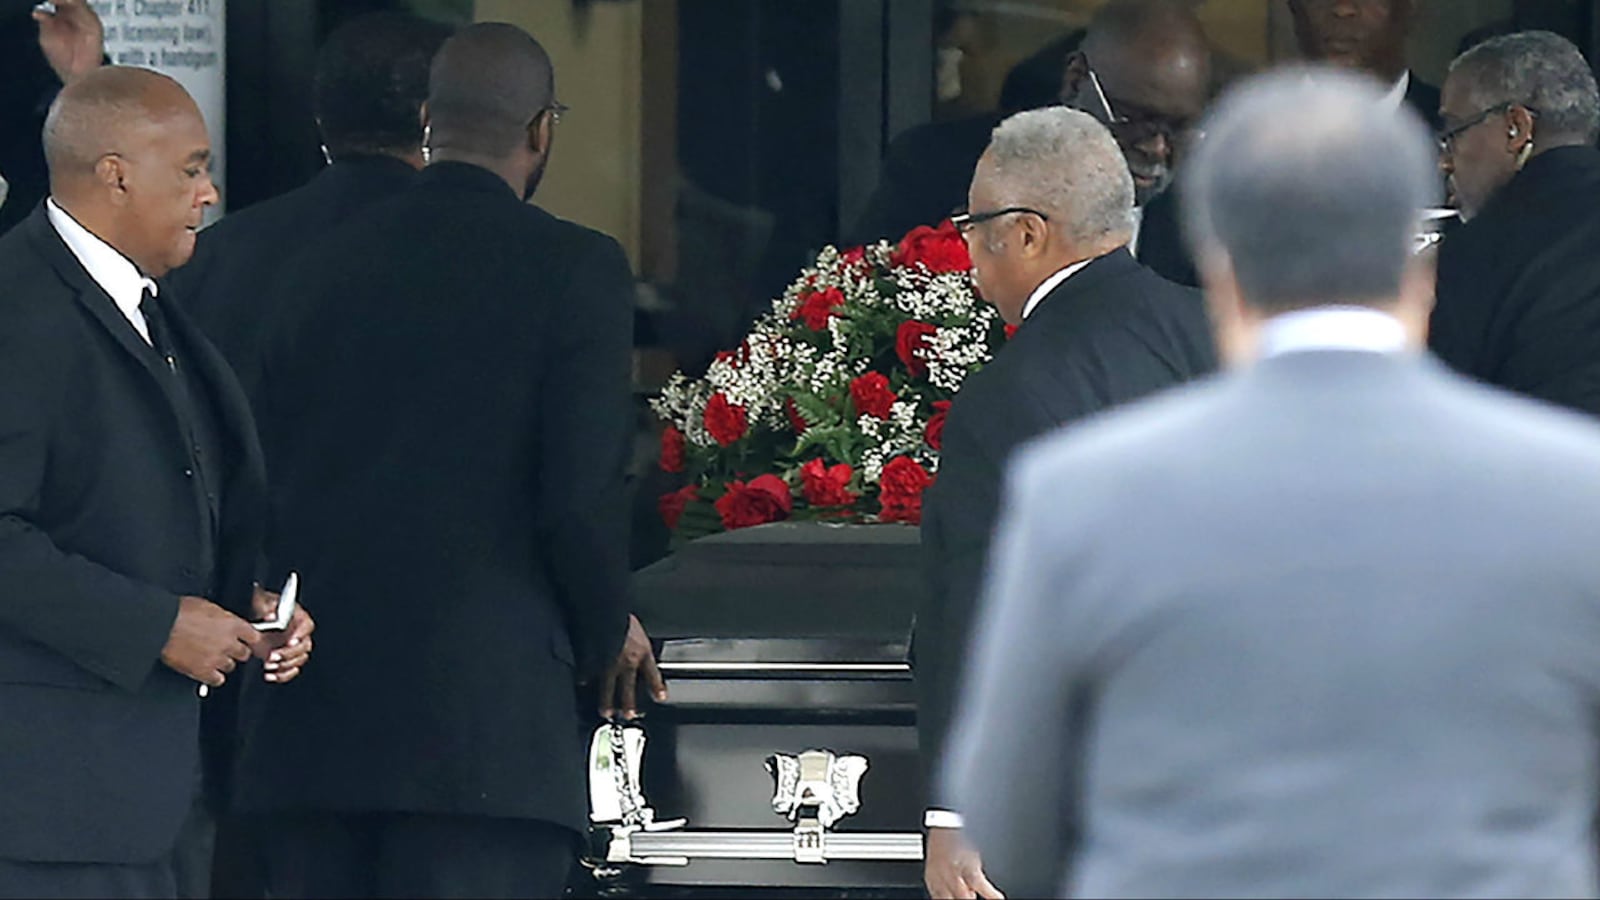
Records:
x=825, y=485
x=726, y=421
x=934, y=432
x=1011, y=331
x=796, y=421
x=671, y=505
x=941, y=249
x=911, y=337
x=853, y=258
x=672, y=447
x=765, y=499
x=871, y=395
x=735, y=357
x=900, y=490
x=817, y=307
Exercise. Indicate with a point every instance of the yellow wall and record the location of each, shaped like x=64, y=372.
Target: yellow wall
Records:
x=593, y=178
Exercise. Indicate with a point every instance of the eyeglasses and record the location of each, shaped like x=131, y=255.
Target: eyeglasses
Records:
x=965, y=221
x=556, y=109
x=1447, y=137
x=1146, y=124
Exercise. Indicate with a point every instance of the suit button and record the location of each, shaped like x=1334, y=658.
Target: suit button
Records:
x=188, y=473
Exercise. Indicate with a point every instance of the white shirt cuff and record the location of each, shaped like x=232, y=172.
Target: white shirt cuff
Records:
x=942, y=818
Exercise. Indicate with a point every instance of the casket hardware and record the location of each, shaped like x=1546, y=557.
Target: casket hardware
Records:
x=813, y=790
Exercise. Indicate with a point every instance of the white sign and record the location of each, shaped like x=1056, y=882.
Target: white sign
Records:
x=184, y=39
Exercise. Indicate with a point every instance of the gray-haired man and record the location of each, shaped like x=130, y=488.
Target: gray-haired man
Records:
x=1048, y=223
x=1326, y=627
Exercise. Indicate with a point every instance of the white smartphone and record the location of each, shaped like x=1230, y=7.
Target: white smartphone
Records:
x=286, y=604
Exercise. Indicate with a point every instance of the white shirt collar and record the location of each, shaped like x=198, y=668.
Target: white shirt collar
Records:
x=115, y=273
x=1332, y=328
x=1397, y=94
x=1050, y=284
x=1138, y=225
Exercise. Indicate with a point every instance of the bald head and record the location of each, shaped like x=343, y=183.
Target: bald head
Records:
x=129, y=160
x=1310, y=191
x=488, y=83
x=1145, y=70
x=1157, y=25
x=104, y=112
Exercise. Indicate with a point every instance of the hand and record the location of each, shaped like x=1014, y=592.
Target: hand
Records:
x=952, y=869
x=285, y=651
x=637, y=660
x=207, y=641
x=73, y=40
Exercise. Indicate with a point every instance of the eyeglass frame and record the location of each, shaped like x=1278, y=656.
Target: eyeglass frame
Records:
x=964, y=221
x=1159, y=124
x=1445, y=140
x=555, y=108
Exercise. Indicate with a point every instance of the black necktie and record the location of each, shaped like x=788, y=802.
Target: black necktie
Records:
x=156, y=326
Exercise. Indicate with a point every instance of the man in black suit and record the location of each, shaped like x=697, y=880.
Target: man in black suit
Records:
x=35, y=61
x=447, y=419
x=130, y=500
x=1519, y=283
x=371, y=79
x=1048, y=229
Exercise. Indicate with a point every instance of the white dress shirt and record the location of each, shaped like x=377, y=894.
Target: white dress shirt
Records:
x=1332, y=328
x=1050, y=284
x=1138, y=226
x=115, y=274
x=1397, y=94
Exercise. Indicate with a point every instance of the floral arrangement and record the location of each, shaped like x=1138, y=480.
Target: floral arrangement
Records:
x=833, y=408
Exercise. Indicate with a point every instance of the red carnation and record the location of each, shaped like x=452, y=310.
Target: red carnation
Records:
x=826, y=485
x=912, y=337
x=817, y=307
x=765, y=499
x=671, y=505
x=934, y=432
x=726, y=421
x=796, y=421
x=900, y=490
x=941, y=249
x=872, y=395
x=672, y=449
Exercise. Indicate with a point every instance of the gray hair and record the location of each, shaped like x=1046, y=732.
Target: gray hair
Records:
x=1311, y=188
x=1540, y=70
x=1063, y=163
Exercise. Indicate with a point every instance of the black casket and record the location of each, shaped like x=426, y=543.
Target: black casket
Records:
x=786, y=756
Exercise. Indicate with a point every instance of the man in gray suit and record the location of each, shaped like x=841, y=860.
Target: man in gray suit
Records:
x=1328, y=626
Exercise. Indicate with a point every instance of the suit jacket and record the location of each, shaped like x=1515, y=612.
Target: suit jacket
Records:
x=1162, y=247
x=1424, y=98
x=1326, y=628
x=447, y=417
x=100, y=531
x=227, y=284
x=1111, y=333
x=1519, y=285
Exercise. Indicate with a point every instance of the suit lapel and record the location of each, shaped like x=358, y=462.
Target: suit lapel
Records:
x=93, y=297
